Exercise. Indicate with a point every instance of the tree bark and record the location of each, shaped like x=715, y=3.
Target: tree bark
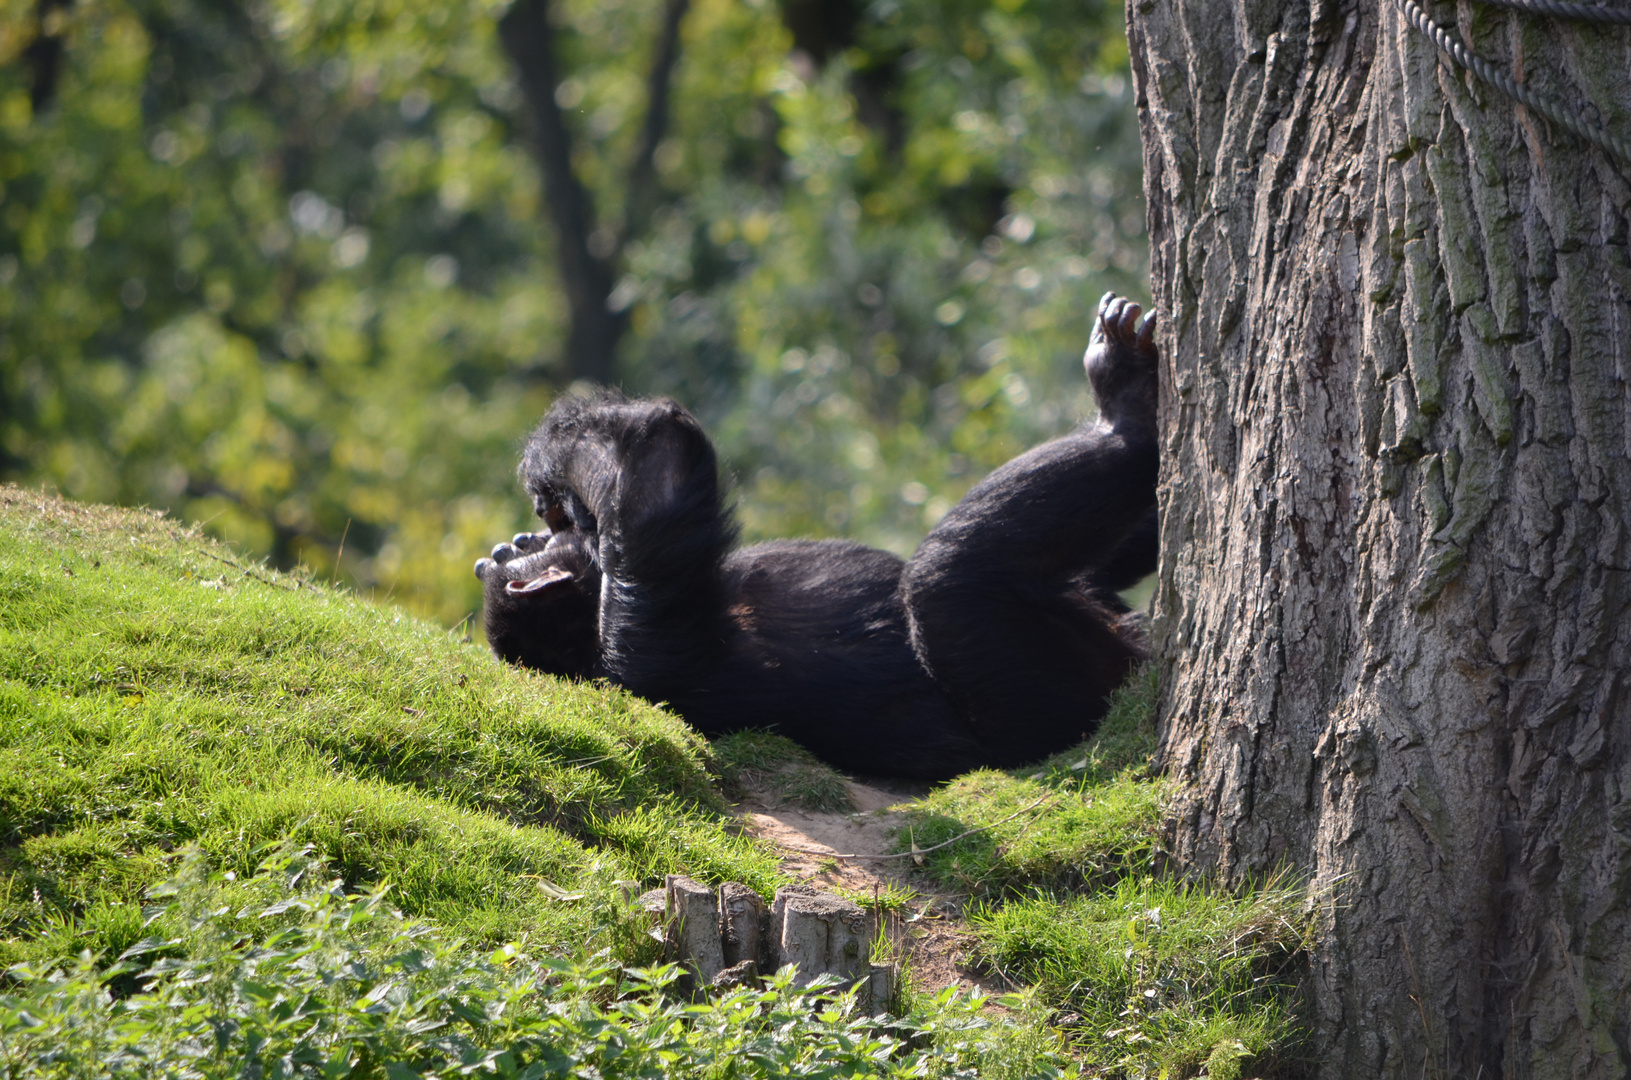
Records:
x=1393, y=604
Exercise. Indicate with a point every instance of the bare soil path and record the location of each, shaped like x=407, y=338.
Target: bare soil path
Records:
x=930, y=932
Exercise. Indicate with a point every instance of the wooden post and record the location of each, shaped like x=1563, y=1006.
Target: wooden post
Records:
x=743, y=926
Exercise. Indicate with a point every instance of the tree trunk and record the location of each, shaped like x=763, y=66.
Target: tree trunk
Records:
x=588, y=255
x=1393, y=606
x=586, y=273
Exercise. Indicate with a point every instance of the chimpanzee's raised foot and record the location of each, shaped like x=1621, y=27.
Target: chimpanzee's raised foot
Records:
x=521, y=544
x=1121, y=363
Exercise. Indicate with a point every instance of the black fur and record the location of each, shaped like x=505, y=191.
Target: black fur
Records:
x=995, y=645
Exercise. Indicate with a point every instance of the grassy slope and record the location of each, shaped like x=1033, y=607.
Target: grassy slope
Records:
x=156, y=693
x=1151, y=975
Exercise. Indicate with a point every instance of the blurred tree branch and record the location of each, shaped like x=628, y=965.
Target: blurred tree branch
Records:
x=643, y=194
x=588, y=255
x=43, y=55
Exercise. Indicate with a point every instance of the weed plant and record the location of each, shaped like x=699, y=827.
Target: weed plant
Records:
x=338, y=984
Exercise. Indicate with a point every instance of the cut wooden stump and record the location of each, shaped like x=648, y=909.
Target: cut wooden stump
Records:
x=692, y=934
x=823, y=934
x=744, y=927
x=728, y=937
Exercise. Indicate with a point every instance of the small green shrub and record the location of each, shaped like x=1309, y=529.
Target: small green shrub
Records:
x=287, y=974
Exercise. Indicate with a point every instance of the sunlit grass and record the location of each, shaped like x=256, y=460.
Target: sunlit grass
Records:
x=1071, y=899
x=1159, y=972
x=1077, y=817
x=155, y=692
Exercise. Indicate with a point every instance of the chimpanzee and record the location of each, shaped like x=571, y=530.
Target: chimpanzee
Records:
x=995, y=644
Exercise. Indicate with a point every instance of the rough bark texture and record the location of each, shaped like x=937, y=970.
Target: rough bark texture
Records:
x=1393, y=607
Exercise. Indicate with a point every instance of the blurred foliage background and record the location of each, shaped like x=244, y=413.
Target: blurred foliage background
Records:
x=309, y=270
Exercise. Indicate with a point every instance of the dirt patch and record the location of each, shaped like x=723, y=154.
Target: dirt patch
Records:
x=834, y=850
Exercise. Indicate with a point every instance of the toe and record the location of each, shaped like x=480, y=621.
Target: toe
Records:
x=1127, y=326
x=1107, y=318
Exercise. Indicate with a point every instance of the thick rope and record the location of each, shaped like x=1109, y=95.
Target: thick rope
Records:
x=1553, y=111
x=1558, y=9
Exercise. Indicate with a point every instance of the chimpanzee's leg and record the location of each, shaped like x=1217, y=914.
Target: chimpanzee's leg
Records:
x=994, y=615
x=642, y=476
x=1134, y=560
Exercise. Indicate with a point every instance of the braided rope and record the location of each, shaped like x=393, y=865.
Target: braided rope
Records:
x=1558, y=9
x=1548, y=108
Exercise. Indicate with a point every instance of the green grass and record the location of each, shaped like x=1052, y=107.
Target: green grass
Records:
x=1151, y=976
x=781, y=769
x=1093, y=812
x=1157, y=974
x=156, y=693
